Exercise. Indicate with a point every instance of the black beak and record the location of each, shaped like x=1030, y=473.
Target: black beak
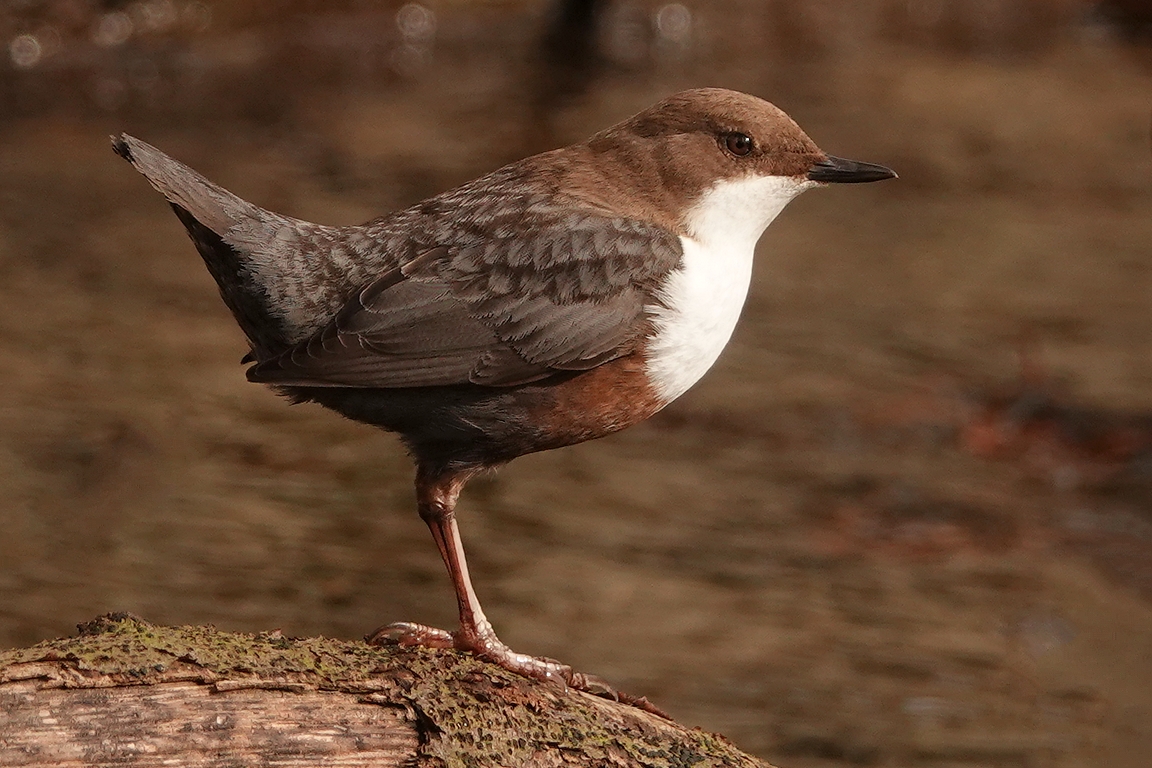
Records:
x=837, y=170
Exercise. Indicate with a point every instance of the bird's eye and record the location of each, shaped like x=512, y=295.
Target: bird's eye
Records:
x=739, y=144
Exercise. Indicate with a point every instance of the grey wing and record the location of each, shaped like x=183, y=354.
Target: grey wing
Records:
x=574, y=294
x=402, y=330
x=498, y=313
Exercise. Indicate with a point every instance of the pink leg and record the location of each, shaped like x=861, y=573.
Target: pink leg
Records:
x=436, y=496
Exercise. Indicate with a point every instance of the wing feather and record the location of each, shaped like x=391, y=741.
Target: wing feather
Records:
x=498, y=312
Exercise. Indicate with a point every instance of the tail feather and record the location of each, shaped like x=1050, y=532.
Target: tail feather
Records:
x=210, y=204
x=268, y=266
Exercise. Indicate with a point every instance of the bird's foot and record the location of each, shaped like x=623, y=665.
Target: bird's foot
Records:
x=408, y=634
x=490, y=648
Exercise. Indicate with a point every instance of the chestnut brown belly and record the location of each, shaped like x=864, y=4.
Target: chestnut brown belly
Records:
x=458, y=427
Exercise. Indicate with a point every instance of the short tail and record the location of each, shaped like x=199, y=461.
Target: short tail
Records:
x=257, y=257
x=210, y=204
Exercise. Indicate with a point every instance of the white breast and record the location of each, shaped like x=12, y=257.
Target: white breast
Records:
x=703, y=298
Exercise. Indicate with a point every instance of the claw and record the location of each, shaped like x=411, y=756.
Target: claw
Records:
x=490, y=648
x=408, y=634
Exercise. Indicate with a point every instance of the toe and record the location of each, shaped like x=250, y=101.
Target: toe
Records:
x=407, y=634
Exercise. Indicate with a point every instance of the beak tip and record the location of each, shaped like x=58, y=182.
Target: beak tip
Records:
x=837, y=170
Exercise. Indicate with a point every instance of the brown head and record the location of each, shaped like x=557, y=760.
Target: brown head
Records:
x=673, y=152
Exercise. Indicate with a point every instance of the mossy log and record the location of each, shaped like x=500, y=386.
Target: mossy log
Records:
x=128, y=693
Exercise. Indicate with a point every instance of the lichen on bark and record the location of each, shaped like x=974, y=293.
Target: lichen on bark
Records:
x=464, y=711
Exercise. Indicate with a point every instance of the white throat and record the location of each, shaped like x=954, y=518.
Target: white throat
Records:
x=703, y=298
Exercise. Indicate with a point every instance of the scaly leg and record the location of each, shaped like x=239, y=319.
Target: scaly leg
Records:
x=436, y=495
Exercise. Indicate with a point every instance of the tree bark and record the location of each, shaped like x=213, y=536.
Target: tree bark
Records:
x=128, y=693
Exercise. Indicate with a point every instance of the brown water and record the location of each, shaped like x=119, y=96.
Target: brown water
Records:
x=869, y=536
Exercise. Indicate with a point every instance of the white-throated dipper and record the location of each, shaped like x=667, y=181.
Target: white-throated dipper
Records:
x=558, y=299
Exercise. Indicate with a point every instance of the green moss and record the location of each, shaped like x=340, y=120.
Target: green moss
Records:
x=471, y=713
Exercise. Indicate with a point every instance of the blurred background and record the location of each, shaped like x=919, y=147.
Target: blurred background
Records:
x=906, y=520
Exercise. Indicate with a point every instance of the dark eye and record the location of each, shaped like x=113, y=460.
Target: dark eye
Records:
x=738, y=143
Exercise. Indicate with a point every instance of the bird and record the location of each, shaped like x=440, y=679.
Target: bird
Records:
x=558, y=299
